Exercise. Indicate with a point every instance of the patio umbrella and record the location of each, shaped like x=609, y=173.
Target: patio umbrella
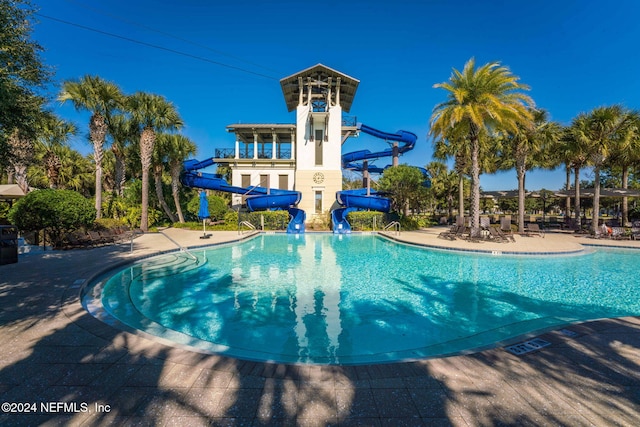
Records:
x=203, y=213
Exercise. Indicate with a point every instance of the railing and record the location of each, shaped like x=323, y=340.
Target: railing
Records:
x=349, y=120
x=393, y=224
x=247, y=224
x=182, y=248
x=230, y=153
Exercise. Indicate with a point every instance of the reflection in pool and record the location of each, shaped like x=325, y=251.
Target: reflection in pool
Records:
x=355, y=299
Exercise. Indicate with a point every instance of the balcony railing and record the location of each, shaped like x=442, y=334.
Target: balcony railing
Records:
x=229, y=153
x=349, y=120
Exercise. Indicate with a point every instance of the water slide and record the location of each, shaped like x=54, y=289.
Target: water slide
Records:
x=361, y=199
x=257, y=198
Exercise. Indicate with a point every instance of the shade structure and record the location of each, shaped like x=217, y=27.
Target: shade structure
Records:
x=9, y=192
x=604, y=192
x=203, y=213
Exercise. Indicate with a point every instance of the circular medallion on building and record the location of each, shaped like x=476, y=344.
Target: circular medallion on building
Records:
x=318, y=177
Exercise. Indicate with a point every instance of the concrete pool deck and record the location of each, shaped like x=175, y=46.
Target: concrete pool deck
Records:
x=80, y=371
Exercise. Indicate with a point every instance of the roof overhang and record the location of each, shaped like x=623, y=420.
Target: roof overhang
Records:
x=604, y=192
x=319, y=72
x=10, y=192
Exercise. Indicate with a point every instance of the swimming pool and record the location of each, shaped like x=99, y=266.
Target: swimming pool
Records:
x=356, y=299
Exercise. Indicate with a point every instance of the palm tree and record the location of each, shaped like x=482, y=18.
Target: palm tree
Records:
x=21, y=148
x=101, y=98
x=53, y=136
x=123, y=133
x=158, y=160
x=151, y=113
x=443, y=183
x=601, y=131
x=480, y=99
x=577, y=157
x=526, y=149
x=558, y=153
x=458, y=148
x=179, y=149
x=627, y=155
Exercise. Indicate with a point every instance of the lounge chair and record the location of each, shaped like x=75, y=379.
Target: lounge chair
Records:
x=77, y=239
x=533, y=228
x=97, y=239
x=619, y=233
x=485, y=222
x=475, y=234
x=456, y=231
x=450, y=234
x=505, y=225
x=498, y=236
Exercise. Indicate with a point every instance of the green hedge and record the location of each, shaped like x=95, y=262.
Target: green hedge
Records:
x=365, y=220
x=273, y=220
x=54, y=211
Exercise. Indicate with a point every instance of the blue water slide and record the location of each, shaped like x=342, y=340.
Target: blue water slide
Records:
x=257, y=198
x=359, y=199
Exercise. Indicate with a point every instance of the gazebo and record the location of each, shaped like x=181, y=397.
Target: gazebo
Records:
x=10, y=192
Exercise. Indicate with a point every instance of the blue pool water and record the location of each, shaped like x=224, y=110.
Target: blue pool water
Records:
x=355, y=299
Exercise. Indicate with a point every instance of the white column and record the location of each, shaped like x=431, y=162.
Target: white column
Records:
x=255, y=144
x=326, y=108
x=273, y=144
x=237, y=149
x=301, y=91
x=293, y=144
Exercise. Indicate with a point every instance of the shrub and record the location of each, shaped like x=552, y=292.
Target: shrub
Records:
x=55, y=211
x=217, y=207
x=364, y=220
x=135, y=213
x=231, y=218
x=273, y=220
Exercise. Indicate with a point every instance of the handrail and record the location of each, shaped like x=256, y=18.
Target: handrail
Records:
x=247, y=224
x=182, y=248
x=394, y=224
x=250, y=189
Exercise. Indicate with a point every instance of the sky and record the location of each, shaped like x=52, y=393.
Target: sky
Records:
x=220, y=63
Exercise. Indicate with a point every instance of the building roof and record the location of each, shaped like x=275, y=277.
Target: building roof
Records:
x=319, y=72
x=264, y=131
x=233, y=127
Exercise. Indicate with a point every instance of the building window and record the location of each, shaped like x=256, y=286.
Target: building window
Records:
x=283, y=182
x=318, y=201
x=245, y=183
x=318, y=141
x=264, y=181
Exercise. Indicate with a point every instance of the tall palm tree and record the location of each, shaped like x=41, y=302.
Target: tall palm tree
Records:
x=101, y=98
x=443, y=183
x=180, y=148
x=123, y=133
x=559, y=153
x=53, y=136
x=603, y=129
x=526, y=149
x=158, y=161
x=578, y=157
x=487, y=98
x=151, y=113
x=627, y=155
x=456, y=147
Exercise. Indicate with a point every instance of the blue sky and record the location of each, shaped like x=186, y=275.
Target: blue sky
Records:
x=221, y=64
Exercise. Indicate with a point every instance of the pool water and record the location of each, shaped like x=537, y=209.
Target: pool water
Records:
x=356, y=299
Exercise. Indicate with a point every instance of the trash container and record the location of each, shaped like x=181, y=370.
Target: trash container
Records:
x=8, y=244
